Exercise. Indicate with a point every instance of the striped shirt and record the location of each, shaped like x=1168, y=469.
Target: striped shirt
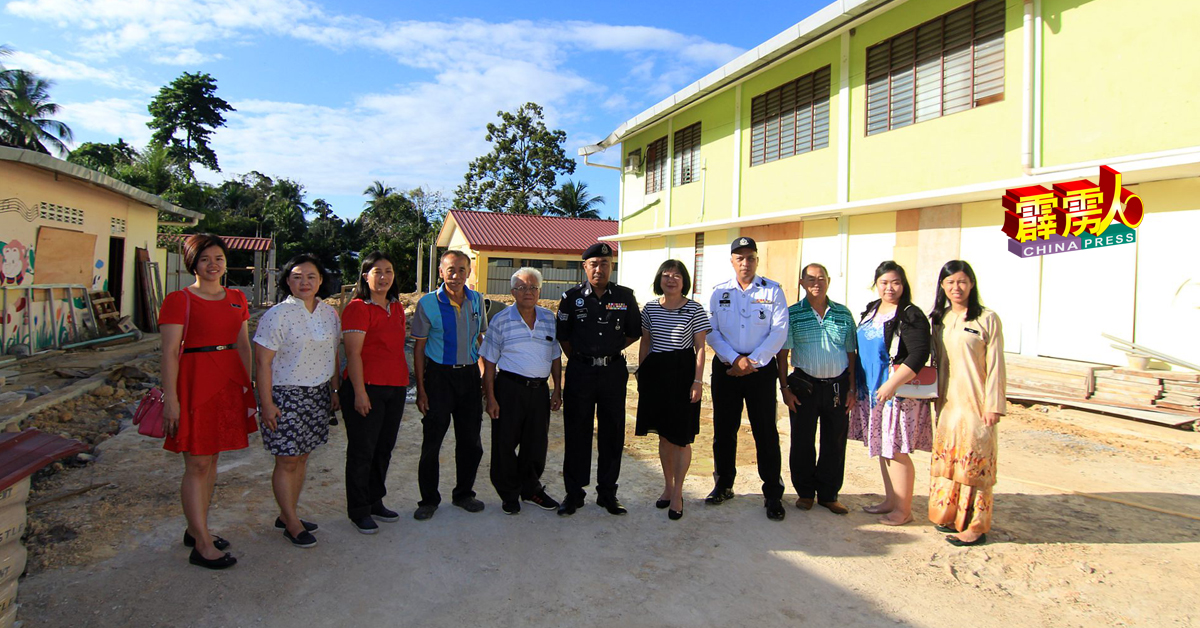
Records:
x=515, y=348
x=820, y=344
x=451, y=331
x=671, y=330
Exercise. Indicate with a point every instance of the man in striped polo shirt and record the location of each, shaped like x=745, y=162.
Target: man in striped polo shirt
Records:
x=448, y=327
x=822, y=340
x=520, y=351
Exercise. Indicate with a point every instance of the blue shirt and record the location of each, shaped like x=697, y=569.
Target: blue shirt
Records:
x=820, y=344
x=451, y=333
x=515, y=348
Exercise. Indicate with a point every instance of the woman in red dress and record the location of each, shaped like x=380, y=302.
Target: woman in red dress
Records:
x=209, y=400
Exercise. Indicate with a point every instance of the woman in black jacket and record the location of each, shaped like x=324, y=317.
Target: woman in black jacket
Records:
x=893, y=345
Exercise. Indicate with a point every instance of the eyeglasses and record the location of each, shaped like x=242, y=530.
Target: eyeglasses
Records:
x=527, y=288
x=674, y=276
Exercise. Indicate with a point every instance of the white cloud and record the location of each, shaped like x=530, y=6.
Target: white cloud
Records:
x=49, y=65
x=116, y=117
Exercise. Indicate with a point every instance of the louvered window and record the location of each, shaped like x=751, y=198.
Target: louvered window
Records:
x=950, y=64
x=687, y=155
x=698, y=266
x=656, y=165
x=790, y=119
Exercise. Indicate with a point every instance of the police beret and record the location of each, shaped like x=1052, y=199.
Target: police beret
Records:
x=742, y=243
x=598, y=249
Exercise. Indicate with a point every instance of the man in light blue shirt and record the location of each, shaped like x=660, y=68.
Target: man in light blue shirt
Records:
x=749, y=324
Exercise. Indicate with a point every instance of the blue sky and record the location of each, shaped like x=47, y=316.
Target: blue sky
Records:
x=338, y=94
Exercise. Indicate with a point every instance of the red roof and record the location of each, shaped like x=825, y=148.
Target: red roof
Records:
x=489, y=231
x=235, y=243
x=24, y=453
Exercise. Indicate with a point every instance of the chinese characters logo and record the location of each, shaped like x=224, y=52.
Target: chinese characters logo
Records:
x=1072, y=216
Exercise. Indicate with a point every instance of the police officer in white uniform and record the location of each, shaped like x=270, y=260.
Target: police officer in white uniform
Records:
x=749, y=316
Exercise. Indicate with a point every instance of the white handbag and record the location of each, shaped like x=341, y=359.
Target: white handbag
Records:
x=925, y=384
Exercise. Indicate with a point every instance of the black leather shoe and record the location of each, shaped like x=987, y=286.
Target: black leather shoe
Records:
x=469, y=504
x=719, y=495
x=308, y=525
x=381, y=513
x=223, y=562
x=612, y=505
x=675, y=515
x=424, y=513
x=218, y=542
x=662, y=503
x=569, y=505
x=775, y=510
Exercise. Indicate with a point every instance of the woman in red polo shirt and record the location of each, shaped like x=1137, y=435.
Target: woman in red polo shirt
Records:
x=209, y=404
x=373, y=402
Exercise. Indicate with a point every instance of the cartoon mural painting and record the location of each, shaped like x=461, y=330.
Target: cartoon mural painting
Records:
x=99, y=281
x=17, y=263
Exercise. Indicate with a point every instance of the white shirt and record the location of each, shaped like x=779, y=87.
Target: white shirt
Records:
x=751, y=322
x=305, y=343
x=513, y=347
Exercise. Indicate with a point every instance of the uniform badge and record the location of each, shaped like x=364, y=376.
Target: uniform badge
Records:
x=579, y=302
x=562, y=316
x=744, y=242
x=724, y=295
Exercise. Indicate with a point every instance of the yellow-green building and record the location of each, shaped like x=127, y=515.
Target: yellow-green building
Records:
x=877, y=129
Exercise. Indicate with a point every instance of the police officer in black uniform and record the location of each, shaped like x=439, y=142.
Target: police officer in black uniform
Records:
x=596, y=321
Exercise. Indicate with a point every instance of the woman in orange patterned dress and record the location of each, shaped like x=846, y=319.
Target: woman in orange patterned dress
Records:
x=969, y=344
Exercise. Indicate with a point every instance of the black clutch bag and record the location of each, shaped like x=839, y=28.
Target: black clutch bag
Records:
x=799, y=386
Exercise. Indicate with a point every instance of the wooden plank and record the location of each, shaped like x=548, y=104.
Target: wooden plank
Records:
x=1121, y=377
x=65, y=256
x=1178, y=376
x=1051, y=364
x=1181, y=408
x=1160, y=417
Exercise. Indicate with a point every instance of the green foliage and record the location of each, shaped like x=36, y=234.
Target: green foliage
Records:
x=519, y=174
x=574, y=201
x=27, y=115
x=106, y=158
x=189, y=107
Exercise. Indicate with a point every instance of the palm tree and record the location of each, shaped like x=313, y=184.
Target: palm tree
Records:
x=572, y=199
x=377, y=192
x=26, y=114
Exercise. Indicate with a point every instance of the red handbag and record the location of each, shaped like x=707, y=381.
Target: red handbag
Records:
x=149, y=414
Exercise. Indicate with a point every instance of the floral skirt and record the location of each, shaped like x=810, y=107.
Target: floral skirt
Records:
x=960, y=506
x=898, y=426
x=303, y=422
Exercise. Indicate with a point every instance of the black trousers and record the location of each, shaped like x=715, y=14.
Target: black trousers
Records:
x=826, y=404
x=757, y=392
x=370, y=440
x=453, y=394
x=593, y=392
x=524, y=423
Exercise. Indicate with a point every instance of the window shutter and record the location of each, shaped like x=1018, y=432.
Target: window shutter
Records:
x=687, y=154
x=698, y=265
x=903, y=91
x=820, y=109
x=656, y=165
x=929, y=71
x=791, y=119
x=878, y=63
x=989, y=49
x=758, y=130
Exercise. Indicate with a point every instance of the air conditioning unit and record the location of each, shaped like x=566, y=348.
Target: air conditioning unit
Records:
x=633, y=162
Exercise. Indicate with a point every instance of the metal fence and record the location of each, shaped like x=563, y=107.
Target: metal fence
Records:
x=555, y=281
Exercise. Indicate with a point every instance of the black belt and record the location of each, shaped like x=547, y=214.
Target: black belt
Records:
x=532, y=382
x=207, y=349
x=592, y=360
x=430, y=364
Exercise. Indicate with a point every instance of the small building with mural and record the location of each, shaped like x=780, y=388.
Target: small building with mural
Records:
x=64, y=224
x=498, y=244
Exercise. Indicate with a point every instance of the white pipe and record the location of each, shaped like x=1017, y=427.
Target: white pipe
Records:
x=735, y=208
x=1027, y=91
x=843, y=138
x=1037, y=83
x=703, y=186
x=669, y=183
x=606, y=166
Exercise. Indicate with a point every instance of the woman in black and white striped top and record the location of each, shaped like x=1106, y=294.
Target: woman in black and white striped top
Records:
x=671, y=363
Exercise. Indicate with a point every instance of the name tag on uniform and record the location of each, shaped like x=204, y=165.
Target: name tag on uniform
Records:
x=723, y=303
x=615, y=306
x=549, y=338
x=972, y=331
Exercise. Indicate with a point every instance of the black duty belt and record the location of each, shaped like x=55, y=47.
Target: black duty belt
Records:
x=532, y=382
x=592, y=360
x=207, y=349
x=430, y=364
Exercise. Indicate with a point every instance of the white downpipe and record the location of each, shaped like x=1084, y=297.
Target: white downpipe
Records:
x=703, y=186
x=1037, y=83
x=1027, y=62
x=843, y=180
x=669, y=184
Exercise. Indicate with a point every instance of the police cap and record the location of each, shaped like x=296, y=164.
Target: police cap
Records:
x=598, y=249
x=742, y=243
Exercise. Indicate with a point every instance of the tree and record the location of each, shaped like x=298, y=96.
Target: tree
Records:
x=26, y=114
x=188, y=106
x=106, y=158
x=519, y=174
x=573, y=200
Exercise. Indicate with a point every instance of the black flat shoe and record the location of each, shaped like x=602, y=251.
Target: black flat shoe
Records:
x=612, y=505
x=223, y=562
x=218, y=542
x=308, y=525
x=662, y=503
x=675, y=515
x=957, y=542
x=945, y=529
x=718, y=496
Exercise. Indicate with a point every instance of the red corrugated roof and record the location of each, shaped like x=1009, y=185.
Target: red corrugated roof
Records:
x=489, y=231
x=24, y=453
x=235, y=243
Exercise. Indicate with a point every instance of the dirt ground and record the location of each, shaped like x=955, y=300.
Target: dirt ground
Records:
x=112, y=556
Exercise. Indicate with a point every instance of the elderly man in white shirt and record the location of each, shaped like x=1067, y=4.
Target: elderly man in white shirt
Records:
x=519, y=352
x=749, y=316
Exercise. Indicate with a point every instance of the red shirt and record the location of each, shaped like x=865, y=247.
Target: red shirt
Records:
x=383, y=348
